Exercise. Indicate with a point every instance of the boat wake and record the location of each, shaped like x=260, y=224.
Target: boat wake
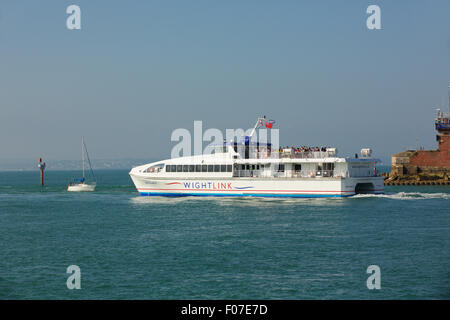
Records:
x=254, y=201
x=406, y=195
x=258, y=202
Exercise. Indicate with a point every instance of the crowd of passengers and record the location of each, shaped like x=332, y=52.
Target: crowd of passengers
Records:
x=304, y=149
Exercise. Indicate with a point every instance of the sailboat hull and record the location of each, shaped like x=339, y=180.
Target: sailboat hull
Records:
x=81, y=187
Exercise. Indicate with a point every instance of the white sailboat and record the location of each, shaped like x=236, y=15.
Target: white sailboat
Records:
x=81, y=184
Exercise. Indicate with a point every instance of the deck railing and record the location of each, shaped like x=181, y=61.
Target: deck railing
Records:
x=290, y=155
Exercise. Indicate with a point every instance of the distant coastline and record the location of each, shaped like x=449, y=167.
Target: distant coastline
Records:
x=69, y=165
x=97, y=164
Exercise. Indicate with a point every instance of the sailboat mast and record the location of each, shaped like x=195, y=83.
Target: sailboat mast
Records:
x=448, y=98
x=82, y=153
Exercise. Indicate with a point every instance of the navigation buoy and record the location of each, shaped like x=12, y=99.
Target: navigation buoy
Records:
x=41, y=166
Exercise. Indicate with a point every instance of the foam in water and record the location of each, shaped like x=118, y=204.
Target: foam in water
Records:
x=406, y=195
x=250, y=201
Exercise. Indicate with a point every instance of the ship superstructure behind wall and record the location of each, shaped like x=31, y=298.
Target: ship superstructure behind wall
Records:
x=413, y=162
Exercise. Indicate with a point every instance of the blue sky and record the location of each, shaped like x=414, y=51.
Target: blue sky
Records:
x=137, y=70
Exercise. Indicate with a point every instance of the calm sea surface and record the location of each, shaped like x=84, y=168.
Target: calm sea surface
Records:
x=132, y=247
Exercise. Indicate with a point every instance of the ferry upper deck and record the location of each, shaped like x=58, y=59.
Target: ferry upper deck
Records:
x=244, y=160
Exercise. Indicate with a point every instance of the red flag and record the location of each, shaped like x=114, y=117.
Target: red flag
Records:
x=269, y=125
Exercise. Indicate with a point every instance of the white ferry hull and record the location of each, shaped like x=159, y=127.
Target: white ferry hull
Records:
x=253, y=187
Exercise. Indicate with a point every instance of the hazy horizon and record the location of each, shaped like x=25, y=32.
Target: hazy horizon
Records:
x=137, y=71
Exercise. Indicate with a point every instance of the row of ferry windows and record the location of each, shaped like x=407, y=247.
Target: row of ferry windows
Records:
x=221, y=168
x=199, y=168
x=278, y=167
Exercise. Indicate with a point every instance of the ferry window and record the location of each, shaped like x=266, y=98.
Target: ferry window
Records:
x=191, y=168
x=185, y=168
x=223, y=168
x=216, y=168
x=257, y=167
x=243, y=167
x=210, y=168
x=198, y=168
x=155, y=168
x=247, y=167
x=281, y=168
x=204, y=168
x=179, y=168
x=229, y=168
x=298, y=167
x=169, y=168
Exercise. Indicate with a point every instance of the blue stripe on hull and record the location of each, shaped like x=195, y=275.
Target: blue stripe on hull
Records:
x=271, y=195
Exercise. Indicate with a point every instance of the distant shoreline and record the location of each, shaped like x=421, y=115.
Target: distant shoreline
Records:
x=123, y=167
x=70, y=165
x=59, y=170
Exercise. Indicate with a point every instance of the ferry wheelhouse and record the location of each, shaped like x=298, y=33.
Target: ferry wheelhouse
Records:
x=243, y=168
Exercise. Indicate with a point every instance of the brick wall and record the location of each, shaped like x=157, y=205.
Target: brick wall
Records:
x=444, y=143
x=440, y=158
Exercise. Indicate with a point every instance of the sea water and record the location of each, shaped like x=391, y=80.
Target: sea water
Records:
x=132, y=247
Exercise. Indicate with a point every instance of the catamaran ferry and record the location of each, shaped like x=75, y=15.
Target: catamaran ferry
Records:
x=245, y=168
